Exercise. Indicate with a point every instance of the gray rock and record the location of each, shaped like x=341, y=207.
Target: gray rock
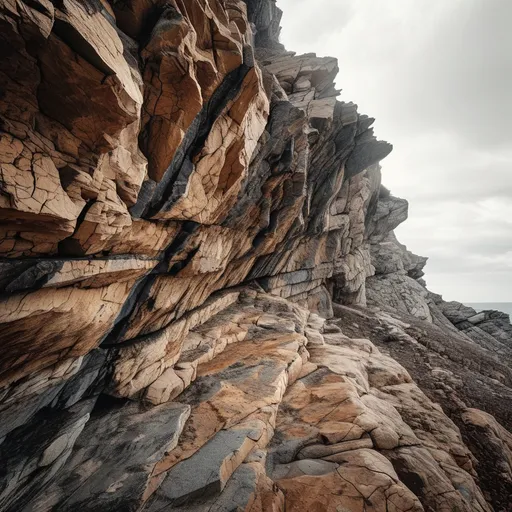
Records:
x=456, y=312
x=400, y=292
x=203, y=474
x=476, y=319
x=113, y=458
x=33, y=454
x=237, y=494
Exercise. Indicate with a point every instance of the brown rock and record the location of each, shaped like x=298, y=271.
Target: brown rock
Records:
x=180, y=201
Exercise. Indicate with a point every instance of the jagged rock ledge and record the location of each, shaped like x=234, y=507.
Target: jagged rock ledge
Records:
x=180, y=201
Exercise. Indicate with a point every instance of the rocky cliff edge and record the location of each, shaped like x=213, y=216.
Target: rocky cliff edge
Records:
x=203, y=304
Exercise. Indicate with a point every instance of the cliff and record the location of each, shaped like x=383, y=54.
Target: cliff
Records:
x=203, y=304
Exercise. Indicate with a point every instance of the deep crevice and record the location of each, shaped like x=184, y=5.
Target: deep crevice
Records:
x=173, y=184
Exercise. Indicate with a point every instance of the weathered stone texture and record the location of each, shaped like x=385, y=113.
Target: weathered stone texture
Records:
x=181, y=199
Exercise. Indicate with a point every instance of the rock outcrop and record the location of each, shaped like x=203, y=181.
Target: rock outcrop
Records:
x=181, y=200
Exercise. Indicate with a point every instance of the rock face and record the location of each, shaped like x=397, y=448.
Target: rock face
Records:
x=181, y=199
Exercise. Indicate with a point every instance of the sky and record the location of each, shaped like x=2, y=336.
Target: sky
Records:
x=437, y=76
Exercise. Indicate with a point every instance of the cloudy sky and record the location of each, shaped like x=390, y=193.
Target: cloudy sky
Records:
x=437, y=76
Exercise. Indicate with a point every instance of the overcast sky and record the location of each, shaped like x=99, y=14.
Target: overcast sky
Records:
x=437, y=76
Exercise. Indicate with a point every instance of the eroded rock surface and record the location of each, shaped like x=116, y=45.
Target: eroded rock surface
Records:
x=470, y=380
x=181, y=199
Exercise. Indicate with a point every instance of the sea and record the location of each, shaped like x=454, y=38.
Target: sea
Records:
x=505, y=307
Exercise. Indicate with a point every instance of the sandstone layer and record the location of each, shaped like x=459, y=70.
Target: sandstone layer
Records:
x=181, y=201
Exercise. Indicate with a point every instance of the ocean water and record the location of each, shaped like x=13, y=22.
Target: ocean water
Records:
x=506, y=307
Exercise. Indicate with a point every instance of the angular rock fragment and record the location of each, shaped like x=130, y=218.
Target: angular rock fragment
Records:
x=114, y=458
x=30, y=462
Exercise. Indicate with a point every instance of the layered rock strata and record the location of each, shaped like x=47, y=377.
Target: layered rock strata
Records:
x=180, y=201
x=274, y=408
x=460, y=358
